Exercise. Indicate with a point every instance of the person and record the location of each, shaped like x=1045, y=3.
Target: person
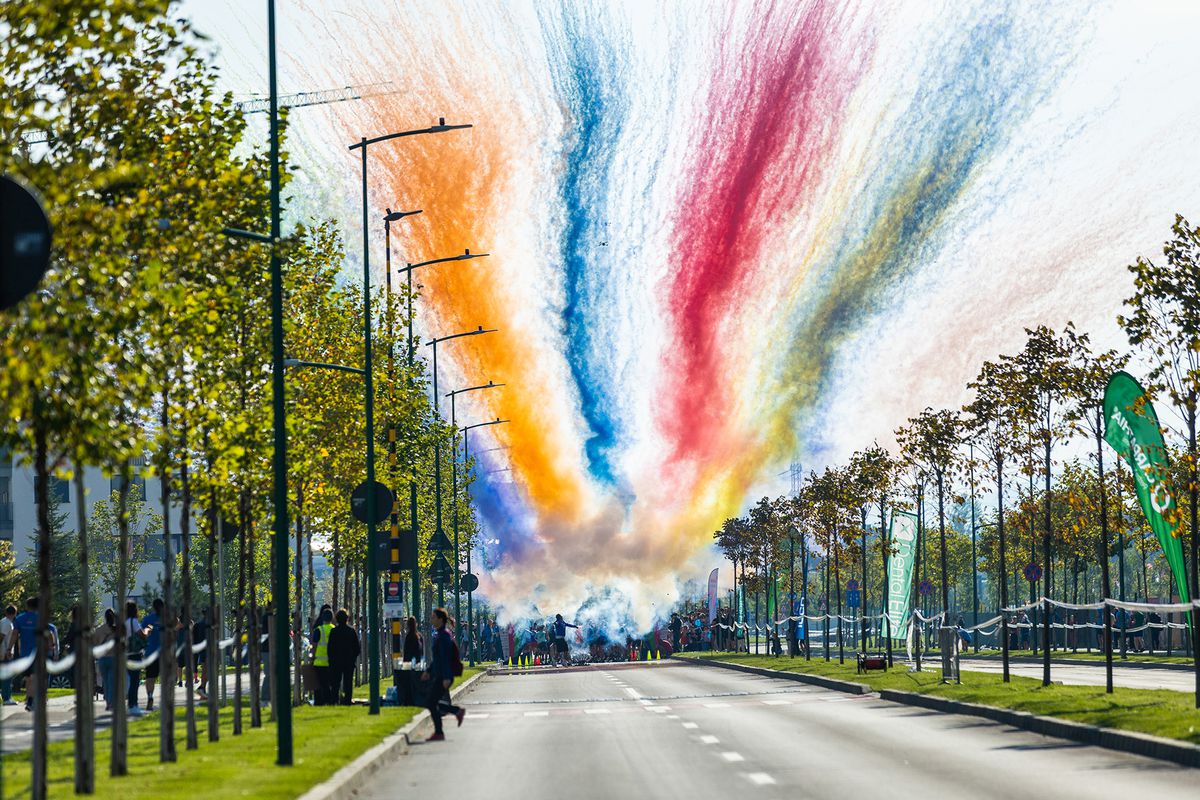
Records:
x=441, y=674
x=200, y=636
x=414, y=647
x=1155, y=620
x=676, y=627
x=25, y=629
x=560, y=638
x=153, y=622
x=321, y=657
x=107, y=633
x=344, y=650
x=264, y=654
x=485, y=638
x=135, y=638
x=7, y=646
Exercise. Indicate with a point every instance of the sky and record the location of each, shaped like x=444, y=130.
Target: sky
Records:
x=726, y=237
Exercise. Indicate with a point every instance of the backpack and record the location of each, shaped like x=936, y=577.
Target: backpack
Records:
x=456, y=665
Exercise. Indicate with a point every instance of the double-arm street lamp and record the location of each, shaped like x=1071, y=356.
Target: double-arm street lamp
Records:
x=454, y=492
x=440, y=540
x=470, y=592
x=467, y=255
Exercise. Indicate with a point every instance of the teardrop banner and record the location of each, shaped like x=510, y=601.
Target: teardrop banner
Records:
x=24, y=242
x=1132, y=429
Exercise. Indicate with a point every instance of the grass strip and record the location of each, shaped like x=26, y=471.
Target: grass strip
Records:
x=1159, y=712
x=324, y=740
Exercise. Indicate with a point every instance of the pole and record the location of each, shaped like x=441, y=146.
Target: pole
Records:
x=804, y=589
x=369, y=405
x=414, y=551
x=974, y=559
x=454, y=517
x=792, y=643
x=862, y=596
x=219, y=663
x=283, y=727
x=470, y=592
x=437, y=475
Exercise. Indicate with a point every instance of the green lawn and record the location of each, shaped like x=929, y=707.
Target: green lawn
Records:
x=1083, y=655
x=1160, y=712
x=325, y=739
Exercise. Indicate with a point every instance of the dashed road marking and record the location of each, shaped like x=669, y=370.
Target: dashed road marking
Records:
x=537, y=713
x=716, y=705
x=760, y=778
x=691, y=726
x=777, y=702
x=596, y=711
x=709, y=739
x=732, y=757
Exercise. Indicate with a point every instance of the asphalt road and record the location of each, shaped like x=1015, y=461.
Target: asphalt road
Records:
x=1092, y=675
x=674, y=730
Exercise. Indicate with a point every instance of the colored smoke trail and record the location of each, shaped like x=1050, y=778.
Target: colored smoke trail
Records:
x=725, y=236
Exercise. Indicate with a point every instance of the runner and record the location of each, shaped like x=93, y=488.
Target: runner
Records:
x=560, y=639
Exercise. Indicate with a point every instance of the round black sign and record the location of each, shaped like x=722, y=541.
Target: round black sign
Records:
x=24, y=242
x=383, y=503
x=468, y=582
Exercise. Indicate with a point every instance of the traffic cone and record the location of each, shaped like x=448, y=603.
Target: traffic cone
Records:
x=537, y=661
x=658, y=655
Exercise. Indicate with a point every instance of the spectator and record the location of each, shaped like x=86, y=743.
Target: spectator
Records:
x=344, y=650
x=1155, y=620
x=7, y=646
x=153, y=623
x=320, y=661
x=107, y=632
x=135, y=638
x=676, y=628
x=414, y=648
x=441, y=673
x=200, y=636
x=25, y=630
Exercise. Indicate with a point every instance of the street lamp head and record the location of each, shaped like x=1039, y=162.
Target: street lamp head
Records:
x=291, y=362
x=392, y=216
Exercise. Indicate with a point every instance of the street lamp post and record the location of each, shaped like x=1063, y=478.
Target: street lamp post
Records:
x=471, y=592
x=369, y=389
x=454, y=520
x=467, y=255
x=439, y=534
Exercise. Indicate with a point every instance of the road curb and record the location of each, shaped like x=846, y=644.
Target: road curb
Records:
x=1142, y=744
x=849, y=687
x=346, y=782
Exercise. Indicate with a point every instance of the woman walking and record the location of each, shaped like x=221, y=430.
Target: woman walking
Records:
x=442, y=670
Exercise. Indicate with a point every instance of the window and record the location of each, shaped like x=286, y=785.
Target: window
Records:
x=60, y=490
x=6, y=509
x=114, y=483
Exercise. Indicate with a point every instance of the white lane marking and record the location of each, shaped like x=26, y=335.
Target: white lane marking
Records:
x=634, y=693
x=777, y=702
x=716, y=705
x=691, y=726
x=596, y=711
x=759, y=778
x=732, y=757
x=484, y=715
x=672, y=716
x=537, y=713
x=836, y=699
x=709, y=739
x=658, y=709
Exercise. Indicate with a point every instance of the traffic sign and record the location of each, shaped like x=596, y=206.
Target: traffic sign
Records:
x=852, y=585
x=383, y=503
x=24, y=242
x=1033, y=572
x=469, y=582
x=925, y=588
x=391, y=593
x=853, y=598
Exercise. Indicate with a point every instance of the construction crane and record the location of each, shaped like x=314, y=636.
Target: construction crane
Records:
x=257, y=105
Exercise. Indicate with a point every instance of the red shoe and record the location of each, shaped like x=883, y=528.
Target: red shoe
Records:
x=437, y=737
x=462, y=712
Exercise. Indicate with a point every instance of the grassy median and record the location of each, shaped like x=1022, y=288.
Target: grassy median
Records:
x=1160, y=712
x=324, y=740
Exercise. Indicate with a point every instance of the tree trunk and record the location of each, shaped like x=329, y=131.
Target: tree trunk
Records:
x=118, y=754
x=1047, y=611
x=297, y=620
x=189, y=658
x=1003, y=563
x=85, y=702
x=1105, y=578
x=942, y=536
x=255, y=628
x=166, y=652
x=240, y=614
x=38, y=762
x=214, y=665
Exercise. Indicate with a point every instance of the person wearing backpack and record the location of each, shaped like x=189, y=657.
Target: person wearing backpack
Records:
x=344, y=650
x=446, y=665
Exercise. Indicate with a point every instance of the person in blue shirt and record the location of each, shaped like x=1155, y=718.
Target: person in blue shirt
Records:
x=25, y=625
x=441, y=674
x=152, y=624
x=562, y=653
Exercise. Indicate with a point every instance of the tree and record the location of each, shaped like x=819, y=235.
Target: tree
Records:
x=931, y=441
x=1164, y=324
x=104, y=540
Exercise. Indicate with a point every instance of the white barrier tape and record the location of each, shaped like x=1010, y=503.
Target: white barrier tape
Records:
x=61, y=666
x=145, y=662
x=101, y=650
x=11, y=669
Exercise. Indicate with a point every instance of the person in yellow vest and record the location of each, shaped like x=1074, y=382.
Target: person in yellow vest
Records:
x=321, y=657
